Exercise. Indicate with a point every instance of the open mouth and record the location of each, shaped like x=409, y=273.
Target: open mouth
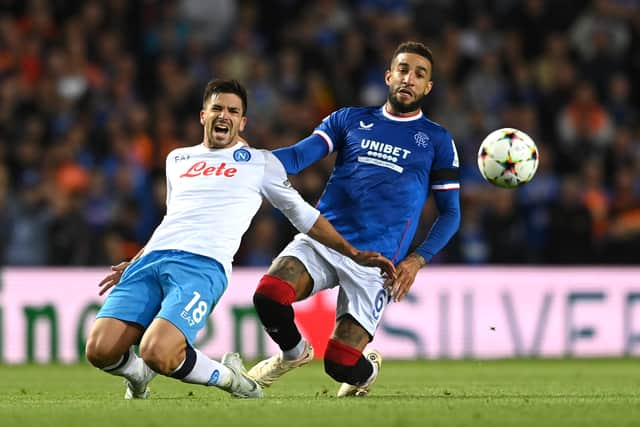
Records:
x=221, y=128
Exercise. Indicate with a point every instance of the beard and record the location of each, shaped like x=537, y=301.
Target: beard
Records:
x=400, y=107
x=219, y=140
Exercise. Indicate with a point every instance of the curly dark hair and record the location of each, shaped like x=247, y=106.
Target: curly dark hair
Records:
x=414, y=47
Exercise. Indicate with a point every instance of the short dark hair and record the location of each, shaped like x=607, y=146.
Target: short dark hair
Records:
x=414, y=47
x=216, y=86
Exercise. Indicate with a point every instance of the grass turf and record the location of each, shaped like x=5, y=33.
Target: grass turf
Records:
x=520, y=393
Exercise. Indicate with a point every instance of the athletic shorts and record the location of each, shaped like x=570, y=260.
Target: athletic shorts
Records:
x=178, y=286
x=361, y=293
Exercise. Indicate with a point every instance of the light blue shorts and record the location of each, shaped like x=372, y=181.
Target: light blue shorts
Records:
x=178, y=286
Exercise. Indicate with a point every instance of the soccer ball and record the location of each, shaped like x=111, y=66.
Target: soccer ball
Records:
x=508, y=158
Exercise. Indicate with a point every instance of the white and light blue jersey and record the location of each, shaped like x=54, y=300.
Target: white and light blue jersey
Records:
x=213, y=194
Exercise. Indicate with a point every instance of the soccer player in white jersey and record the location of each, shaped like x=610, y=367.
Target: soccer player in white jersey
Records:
x=389, y=157
x=165, y=293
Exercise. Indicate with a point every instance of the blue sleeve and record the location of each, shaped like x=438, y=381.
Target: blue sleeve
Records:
x=302, y=154
x=445, y=225
x=327, y=137
x=446, y=153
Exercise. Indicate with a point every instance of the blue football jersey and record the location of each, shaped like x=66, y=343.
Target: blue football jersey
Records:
x=384, y=170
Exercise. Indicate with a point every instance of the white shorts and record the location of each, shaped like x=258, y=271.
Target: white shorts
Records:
x=361, y=292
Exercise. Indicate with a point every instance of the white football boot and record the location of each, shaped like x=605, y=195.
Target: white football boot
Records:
x=140, y=389
x=269, y=370
x=362, y=390
x=241, y=384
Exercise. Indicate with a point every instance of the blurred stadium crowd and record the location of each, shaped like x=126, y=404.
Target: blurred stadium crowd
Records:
x=94, y=94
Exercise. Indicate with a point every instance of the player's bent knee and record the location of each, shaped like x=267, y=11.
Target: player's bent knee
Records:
x=93, y=355
x=99, y=355
x=158, y=358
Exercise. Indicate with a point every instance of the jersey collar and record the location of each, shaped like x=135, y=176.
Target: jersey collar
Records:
x=235, y=146
x=395, y=118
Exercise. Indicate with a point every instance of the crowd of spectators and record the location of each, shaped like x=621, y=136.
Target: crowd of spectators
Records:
x=94, y=94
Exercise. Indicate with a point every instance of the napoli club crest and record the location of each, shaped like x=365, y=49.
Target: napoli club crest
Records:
x=241, y=155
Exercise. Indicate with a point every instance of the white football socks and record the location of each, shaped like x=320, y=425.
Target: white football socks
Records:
x=133, y=368
x=295, y=352
x=207, y=372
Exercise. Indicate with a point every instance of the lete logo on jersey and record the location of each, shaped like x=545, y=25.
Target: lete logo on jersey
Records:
x=202, y=168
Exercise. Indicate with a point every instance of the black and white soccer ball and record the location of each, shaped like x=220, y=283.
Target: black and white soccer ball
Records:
x=508, y=158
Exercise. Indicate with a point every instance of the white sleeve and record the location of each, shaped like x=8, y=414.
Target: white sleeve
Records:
x=278, y=190
x=166, y=171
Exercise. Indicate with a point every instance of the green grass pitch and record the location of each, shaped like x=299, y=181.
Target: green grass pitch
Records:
x=519, y=393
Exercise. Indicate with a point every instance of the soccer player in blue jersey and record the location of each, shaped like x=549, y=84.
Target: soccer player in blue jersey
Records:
x=388, y=158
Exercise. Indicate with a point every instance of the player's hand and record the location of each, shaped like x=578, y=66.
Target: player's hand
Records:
x=375, y=259
x=406, y=273
x=112, y=279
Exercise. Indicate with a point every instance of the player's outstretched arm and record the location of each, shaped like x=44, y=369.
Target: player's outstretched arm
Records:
x=302, y=154
x=444, y=227
x=323, y=232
